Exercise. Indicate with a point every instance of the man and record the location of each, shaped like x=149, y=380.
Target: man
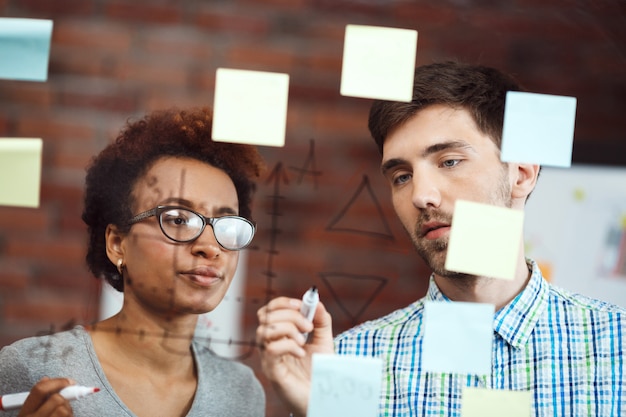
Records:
x=444, y=146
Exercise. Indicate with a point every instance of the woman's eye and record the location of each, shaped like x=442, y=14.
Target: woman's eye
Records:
x=176, y=220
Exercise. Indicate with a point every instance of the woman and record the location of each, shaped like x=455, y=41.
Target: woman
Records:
x=167, y=211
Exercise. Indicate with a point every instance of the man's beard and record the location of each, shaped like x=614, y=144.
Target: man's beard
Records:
x=434, y=251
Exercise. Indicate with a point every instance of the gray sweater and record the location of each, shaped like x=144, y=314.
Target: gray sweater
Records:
x=225, y=388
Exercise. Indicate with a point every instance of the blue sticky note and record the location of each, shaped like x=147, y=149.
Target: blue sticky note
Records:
x=24, y=48
x=450, y=325
x=344, y=385
x=538, y=129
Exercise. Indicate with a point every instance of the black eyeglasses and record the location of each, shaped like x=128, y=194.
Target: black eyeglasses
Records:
x=183, y=225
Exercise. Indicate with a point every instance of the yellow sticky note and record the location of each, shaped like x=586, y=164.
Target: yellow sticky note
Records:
x=484, y=240
x=484, y=402
x=250, y=107
x=378, y=62
x=20, y=171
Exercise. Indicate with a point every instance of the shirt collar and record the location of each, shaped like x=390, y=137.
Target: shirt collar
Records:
x=516, y=321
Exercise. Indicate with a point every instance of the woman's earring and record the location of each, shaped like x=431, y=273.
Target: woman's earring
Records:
x=120, y=266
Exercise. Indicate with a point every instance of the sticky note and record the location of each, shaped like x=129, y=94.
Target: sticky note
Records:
x=20, y=171
x=24, y=48
x=538, y=129
x=484, y=240
x=484, y=402
x=450, y=325
x=378, y=62
x=344, y=385
x=250, y=107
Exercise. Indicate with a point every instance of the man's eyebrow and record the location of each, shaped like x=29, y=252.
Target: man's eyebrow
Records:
x=392, y=163
x=432, y=149
x=442, y=146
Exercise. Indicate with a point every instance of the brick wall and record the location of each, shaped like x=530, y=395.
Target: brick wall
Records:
x=111, y=59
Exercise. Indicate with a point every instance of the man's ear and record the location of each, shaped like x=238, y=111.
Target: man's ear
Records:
x=114, y=243
x=524, y=180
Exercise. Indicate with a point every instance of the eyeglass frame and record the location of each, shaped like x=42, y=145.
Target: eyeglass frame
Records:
x=158, y=210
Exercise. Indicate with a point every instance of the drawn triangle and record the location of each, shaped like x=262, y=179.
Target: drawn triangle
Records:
x=353, y=293
x=363, y=199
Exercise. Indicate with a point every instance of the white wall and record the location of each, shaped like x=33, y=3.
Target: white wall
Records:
x=575, y=223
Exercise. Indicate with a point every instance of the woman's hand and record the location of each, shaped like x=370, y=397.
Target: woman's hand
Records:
x=44, y=399
x=285, y=355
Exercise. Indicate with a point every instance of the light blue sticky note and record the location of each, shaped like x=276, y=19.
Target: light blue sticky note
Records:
x=378, y=62
x=538, y=129
x=458, y=337
x=24, y=48
x=250, y=107
x=20, y=171
x=484, y=402
x=343, y=385
x=484, y=240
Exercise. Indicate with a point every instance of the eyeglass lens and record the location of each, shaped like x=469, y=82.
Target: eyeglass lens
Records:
x=183, y=225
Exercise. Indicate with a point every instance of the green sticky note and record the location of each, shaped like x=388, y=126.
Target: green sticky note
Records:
x=250, y=107
x=484, y=402
x=24, y=48
x=484, y=240
x=378, y=62
x=20, y=171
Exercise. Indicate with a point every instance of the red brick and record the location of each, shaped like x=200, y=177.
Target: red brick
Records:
x=104, y=37
x=46, y=8
x=153, y=73
x=52, y=128
x=260, y=57
x=176, y=42
x=111, y=100
x=25, y=93
x=45, y=308
x=13, y=276
x=47, y=249
x=236, y=22
x=161, y=12
x=23, y=219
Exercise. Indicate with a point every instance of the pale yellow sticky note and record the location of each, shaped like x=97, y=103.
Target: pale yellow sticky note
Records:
x=20, y=171
x=484, y=240
x=378, y=62
x=250, y=107
x=484, y=402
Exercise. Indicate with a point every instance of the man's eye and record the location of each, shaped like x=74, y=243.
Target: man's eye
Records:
x=401, y=179
x=449, y=163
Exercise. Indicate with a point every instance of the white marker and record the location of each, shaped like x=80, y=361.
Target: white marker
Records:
x=309, y=305
x=73, y=392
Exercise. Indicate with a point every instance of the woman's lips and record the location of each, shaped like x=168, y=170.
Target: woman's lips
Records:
x=204, y=276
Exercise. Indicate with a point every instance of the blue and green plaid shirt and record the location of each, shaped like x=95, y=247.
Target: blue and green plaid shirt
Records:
x=567, y=349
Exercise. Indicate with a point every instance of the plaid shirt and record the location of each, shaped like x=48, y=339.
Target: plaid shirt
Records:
x=565, y=348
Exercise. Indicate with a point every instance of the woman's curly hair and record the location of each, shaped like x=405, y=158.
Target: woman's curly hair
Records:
x=114, y=172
